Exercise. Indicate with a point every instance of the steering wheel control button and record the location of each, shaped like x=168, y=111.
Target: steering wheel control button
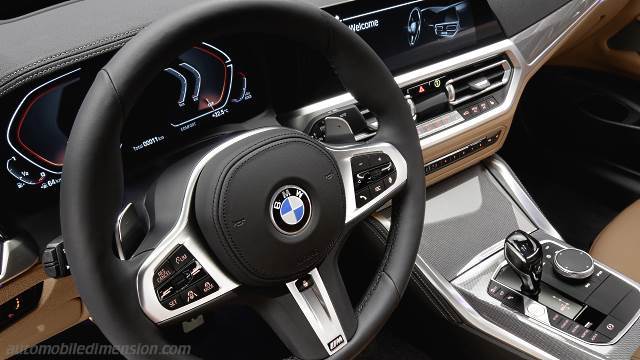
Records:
x=180, y=258
x=376, y=188
x=207, y=286
x=360, y=163
x=372, y=174
x=162, y=274
x=173, y=303
x=166, y=291
x=390, y=179
x=191, y=294
x=304, y=283
x=573, y=264
x=376, y=159
x=362, y=197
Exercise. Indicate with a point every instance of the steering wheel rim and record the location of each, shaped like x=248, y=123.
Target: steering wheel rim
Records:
x=93, y=165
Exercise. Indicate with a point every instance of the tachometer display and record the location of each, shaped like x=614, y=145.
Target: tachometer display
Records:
x=203, y=77
x=201, y=89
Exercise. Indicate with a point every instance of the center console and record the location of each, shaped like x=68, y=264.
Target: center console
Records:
x=489, y=260
x=574, y=296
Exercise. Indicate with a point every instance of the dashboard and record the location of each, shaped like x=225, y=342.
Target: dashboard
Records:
x=218, y=84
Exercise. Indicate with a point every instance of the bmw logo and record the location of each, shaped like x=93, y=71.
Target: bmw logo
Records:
x=290, y=209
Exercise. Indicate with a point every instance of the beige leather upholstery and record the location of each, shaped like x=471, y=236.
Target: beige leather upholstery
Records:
x=618, y=245
x=59, y=309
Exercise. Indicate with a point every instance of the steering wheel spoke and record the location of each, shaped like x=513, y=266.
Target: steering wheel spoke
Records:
x=372, y=174
x=315, y=317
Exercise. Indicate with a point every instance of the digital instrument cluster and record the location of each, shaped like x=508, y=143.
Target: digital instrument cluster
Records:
x=204, y=88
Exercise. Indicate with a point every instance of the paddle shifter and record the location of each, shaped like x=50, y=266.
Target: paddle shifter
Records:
x=524, y=255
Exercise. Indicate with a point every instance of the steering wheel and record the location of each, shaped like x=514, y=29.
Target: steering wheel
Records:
x=260, y=216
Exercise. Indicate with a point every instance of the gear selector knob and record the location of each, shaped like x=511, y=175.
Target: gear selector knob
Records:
x=524, y=254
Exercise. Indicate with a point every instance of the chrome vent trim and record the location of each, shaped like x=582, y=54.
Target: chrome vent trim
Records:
x=454, y=89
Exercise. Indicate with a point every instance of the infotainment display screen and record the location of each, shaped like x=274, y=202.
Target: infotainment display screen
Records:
x=408, y=33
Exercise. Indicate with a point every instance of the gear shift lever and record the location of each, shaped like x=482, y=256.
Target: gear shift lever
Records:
x=524, y=255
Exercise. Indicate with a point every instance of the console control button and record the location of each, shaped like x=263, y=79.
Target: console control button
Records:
x=597, y=338
x=627, y=308
x=554, y=317
x=590, y=318
x=610, y=327
x=495, y=291
x=506, y=296
x=162, y=274
x=180, y=258
x=573, y=264
x=608, y=294
x=576, y=329
x=564, y=324
x=584, y=334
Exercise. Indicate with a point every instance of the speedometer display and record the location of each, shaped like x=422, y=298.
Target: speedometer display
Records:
x=205, y=87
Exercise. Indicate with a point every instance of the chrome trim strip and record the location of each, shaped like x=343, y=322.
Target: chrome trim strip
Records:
x=508, y=180
x=536, y=41
x=610, y=270
x=17, y=258
x=317, y=307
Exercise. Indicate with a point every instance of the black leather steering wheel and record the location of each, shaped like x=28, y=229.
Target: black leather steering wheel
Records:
x=259, y=217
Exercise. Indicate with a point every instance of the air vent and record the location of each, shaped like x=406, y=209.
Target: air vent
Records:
x=478, y=82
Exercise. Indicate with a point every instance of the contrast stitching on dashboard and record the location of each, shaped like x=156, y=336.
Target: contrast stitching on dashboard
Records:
x=115, y=37
x=58, y=66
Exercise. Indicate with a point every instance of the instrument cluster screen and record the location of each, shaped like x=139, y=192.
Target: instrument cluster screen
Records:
x=407, y=33
x=209, y=85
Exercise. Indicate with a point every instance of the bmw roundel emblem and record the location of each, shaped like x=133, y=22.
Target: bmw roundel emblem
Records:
x=290, y=209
